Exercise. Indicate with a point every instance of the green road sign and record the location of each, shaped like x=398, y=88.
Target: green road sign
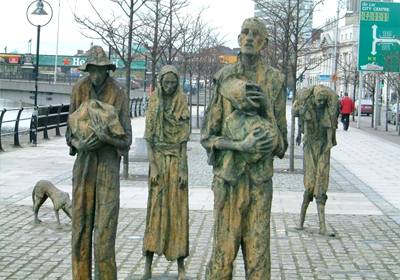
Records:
x=379, y=42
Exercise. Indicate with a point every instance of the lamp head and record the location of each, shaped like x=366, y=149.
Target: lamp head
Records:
x=39, y=9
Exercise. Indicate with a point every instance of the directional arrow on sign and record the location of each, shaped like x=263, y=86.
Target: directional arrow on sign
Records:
x=380, y=40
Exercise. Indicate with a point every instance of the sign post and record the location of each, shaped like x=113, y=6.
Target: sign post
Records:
x=379, y=42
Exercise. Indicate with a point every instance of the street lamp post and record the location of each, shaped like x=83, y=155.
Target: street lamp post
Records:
x=58, y=29
x=37, y=17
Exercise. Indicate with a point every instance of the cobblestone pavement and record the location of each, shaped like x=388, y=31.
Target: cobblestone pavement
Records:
x=364, y=220
x=365, y=247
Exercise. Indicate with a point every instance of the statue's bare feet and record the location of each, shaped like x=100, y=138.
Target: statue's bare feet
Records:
x=181, y=269
x=181, y=276
x=146, y=276
x=299, y=227
x=147, y=267
x=328, y=234
x=322, y=231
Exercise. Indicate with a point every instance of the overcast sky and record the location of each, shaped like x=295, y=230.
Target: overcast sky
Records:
x=16, y=31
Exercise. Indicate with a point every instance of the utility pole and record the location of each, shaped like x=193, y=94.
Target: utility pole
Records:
x=335, y=52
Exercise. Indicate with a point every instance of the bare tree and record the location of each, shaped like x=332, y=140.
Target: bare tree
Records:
x=392, y=65
x=369, y=86
x=177, y=23
x=348, y=73
x=289, y=21
x=115, y=30
x=206, y=38
x=166, y=31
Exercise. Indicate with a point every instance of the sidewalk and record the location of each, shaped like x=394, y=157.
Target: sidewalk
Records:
x=390, y=135
x=363, y=210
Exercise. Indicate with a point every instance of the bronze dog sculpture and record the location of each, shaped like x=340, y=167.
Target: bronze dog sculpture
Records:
x=44, y=189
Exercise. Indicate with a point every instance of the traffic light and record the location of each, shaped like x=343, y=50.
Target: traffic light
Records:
x=382, y=83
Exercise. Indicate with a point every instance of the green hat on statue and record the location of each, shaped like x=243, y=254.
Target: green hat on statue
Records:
x=97, y=56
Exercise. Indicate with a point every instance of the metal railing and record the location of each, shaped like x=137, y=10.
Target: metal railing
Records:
x=45, y=78
x=48, y=117
x=138, y=107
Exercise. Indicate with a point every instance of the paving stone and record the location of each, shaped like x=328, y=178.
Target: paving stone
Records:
x=294, y=253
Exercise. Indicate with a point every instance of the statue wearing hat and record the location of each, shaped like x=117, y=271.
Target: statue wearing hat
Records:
x=98, y=133
x=243, y=130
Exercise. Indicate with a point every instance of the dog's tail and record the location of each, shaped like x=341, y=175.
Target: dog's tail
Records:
x=33, y=199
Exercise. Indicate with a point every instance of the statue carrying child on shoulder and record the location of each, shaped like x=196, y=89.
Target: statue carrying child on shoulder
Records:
x=317, y=110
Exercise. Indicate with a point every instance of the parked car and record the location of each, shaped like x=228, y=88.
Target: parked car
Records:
x=193, y=90
x=391, y=114
x=366, y=107
x=134, y=84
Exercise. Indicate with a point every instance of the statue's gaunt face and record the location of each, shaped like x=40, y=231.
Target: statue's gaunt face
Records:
x=250, y=39
x=319, y=102
x=169, y=83
x=97, y=74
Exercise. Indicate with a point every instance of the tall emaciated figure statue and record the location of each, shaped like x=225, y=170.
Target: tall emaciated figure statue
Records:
x=98, y=133
x=243, y=130
x=317, y=110
x=167, y=133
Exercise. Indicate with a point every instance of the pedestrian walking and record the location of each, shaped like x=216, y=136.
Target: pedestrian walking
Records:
x=346, y=108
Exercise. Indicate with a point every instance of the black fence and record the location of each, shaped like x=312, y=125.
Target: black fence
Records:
x=46, y=78
x=49, y=117
x=138, y=106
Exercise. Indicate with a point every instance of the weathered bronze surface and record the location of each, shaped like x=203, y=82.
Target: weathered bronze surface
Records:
x=45, y=189
x=99, y=132
x=167, y=133
x=244, y=128
x=317, y=110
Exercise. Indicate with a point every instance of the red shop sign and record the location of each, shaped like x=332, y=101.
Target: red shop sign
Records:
x=13, y=60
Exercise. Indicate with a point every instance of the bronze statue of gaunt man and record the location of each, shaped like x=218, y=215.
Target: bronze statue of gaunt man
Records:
x=98, y=133
x=243, y=130
x=317, y=110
